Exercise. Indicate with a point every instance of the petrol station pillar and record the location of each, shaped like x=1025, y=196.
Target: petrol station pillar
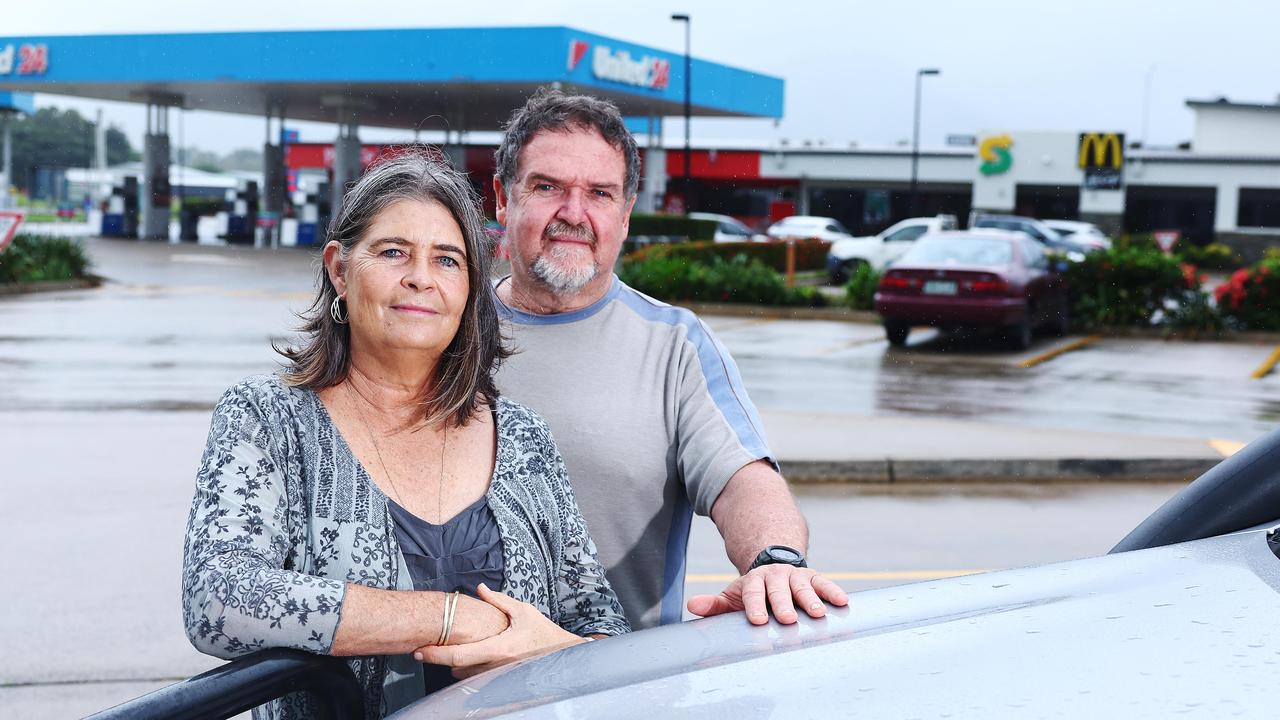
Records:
x=654, y=183
x=275, y=182
x=346, y=159
x=155, y=167
x=6, y=170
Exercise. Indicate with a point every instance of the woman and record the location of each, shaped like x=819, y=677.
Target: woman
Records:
x=354, y=503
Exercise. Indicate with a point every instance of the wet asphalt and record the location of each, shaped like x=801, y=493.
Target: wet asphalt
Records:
x=105, y=396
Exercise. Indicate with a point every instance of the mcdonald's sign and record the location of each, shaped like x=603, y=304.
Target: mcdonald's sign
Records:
x=1101, y=156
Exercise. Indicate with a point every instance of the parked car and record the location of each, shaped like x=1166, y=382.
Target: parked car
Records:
x=1081, y=232
x=1178, y=620
x=988, y=279
x=1038, y=230
x=730, y=229
x=805, y=227
x=879, y=250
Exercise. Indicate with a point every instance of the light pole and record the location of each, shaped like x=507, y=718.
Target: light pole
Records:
x=688, y=83
x=915, y=138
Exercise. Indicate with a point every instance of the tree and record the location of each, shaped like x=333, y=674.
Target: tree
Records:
x=53, y=138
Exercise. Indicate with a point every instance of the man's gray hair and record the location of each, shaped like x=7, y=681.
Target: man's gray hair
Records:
x=553, y=111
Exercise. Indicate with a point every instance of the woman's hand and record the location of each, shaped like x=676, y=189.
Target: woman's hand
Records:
x=530, y=633
x=476, y=620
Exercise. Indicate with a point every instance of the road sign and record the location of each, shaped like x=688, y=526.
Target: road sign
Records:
x=9, y=222
x=1166, y=239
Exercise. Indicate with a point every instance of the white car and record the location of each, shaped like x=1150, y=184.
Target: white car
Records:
x=1081, y=232
x=878, y=251
x=730, y=229
x=805, y=227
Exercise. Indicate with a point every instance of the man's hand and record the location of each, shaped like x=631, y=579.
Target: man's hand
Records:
x=530, y=633
x=777, y=586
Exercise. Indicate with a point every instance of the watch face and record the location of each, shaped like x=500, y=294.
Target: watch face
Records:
x=784, y=554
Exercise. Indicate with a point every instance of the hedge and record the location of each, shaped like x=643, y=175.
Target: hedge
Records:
x=37, y=259
x=740, y=280
x=810, y=254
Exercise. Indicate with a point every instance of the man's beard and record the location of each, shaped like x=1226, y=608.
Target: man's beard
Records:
x=556, y=268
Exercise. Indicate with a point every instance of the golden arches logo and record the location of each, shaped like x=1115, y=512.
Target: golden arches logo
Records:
x=995, y=155
x=1101, y=150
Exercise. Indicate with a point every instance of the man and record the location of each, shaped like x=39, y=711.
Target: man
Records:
x=647, y=408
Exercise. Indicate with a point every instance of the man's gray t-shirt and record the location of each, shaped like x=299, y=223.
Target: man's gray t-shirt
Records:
x=652, y=419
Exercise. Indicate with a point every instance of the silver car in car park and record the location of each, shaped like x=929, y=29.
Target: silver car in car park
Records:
x=1181, y=620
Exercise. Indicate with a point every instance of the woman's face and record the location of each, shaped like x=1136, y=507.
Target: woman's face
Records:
x=405, y=282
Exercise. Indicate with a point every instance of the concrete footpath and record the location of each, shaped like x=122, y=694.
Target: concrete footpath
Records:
x=818, y=448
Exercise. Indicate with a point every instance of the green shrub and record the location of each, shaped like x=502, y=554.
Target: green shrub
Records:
x=860, y=291
x=1194, y=314
x=1124, y=286
x=672, y=225
x=740, y=280
x=810, y=254
x=35, y=259
x=1250, y=298
x=1214, y=256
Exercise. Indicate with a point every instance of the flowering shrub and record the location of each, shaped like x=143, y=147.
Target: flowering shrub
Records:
x=1126, y=286
x=1250, y=298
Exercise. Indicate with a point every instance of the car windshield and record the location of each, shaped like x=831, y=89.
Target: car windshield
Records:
x=937, y=250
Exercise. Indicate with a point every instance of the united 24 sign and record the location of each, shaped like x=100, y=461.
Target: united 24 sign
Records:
x=1101, y=156
x=32, y=59
x=618, y=66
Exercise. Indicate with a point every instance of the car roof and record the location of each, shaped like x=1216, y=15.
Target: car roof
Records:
x=807, y=219
x=983, y=233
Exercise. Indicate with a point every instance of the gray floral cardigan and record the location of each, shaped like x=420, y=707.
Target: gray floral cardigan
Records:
x=284, y=516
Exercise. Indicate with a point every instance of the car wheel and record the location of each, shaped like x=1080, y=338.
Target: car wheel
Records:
x=897, y=332
x=1019, y=335
x=839, y=276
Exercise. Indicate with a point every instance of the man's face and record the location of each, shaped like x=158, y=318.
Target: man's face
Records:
x=567, y=214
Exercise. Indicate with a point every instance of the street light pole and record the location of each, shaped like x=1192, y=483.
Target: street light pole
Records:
x=915, y=140
x=688, y=111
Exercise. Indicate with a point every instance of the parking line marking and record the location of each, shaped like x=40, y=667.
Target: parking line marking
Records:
x=861, y=575
x=1064, y=349
x=1267, y=365
x=1226, y=448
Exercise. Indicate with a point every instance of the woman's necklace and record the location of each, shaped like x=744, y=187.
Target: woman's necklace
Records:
x=444, y=443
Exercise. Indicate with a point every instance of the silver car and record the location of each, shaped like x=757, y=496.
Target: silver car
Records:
x=1153, y=630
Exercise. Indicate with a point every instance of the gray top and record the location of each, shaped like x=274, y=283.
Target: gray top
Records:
x=284, y=516
x=652, y=418
x=454, y=557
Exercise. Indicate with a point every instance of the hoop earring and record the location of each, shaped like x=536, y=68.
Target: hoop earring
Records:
x=335, y=311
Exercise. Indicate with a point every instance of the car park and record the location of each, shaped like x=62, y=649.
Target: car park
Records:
x=809, y=227
x=1082, y=232
x=1176, y=621
x=984, y=279
x=877, y=251
x=1038, y=230
x=730, y=229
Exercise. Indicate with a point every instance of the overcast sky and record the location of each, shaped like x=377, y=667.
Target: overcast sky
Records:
x=849, y=66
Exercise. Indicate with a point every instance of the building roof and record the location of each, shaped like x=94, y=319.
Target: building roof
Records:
x=1222, y=102
x=460, y=78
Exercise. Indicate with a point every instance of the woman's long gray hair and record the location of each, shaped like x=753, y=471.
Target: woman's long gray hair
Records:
x=464, y=375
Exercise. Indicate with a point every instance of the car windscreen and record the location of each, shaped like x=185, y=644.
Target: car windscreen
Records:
x=989, y=252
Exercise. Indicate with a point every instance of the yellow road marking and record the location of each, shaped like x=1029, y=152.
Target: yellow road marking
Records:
x=1226, y=448
x=1267, y=365
x=1061, y=350
x=862, y=575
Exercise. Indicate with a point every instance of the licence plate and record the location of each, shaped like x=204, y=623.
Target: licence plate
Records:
x=939, y=287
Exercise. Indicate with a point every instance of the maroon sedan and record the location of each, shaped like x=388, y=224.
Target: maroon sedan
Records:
x=988, y=279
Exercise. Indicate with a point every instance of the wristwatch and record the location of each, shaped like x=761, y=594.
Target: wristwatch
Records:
x=779, y=555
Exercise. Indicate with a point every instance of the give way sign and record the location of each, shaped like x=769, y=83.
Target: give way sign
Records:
x=9, y=222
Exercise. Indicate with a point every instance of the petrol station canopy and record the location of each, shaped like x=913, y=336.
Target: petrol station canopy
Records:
x=430, y=79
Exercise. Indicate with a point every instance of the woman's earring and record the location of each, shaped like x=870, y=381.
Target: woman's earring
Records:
x=336, y=311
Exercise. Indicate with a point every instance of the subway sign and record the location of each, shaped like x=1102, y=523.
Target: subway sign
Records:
x=618, y=66
x=1101, y=156
x=26, y=59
